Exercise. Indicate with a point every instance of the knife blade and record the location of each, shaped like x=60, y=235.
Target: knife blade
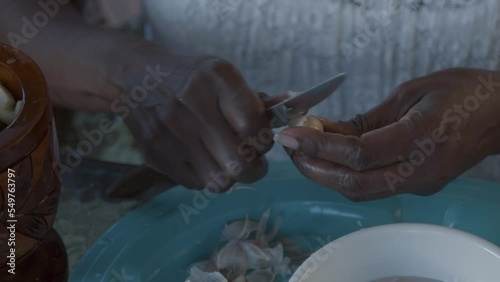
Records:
x=281, y=113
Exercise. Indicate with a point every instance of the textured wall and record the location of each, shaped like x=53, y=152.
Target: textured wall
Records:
x=292, y=44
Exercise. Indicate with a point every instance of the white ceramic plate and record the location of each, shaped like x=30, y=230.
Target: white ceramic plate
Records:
x=404, y=249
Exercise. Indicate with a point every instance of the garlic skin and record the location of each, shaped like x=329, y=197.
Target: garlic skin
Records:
x=251, y=254
x=232, y=257
x=238, y=230
x=308, y=121
x=9, y=108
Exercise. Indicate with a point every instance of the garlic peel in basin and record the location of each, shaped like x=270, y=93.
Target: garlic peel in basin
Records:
x=9, y=108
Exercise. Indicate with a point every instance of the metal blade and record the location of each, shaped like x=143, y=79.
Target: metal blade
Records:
x=310, y=98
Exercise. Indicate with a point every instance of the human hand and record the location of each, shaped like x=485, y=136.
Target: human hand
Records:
x=425, y=134
x=199, y=123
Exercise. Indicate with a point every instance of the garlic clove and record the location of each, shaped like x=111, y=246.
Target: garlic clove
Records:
x=308, y=121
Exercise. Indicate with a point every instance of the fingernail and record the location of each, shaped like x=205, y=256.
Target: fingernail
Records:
x=287, y=141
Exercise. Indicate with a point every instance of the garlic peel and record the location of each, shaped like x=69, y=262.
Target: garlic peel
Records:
x=232, y=257
x=239, y=230
x=255, y=256
x=250, y=254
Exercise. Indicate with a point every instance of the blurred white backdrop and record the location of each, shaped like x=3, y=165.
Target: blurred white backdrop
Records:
x=282, y=45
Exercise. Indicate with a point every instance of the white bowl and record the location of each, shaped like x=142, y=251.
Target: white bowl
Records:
x=404, y=249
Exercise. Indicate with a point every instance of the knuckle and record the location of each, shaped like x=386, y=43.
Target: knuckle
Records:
x=248, y=125
x=350, y=185
x=314, y=147
x=360, y=121
x=219, y=66
x=358, y=159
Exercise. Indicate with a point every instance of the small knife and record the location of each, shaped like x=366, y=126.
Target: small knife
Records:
x=280, y=114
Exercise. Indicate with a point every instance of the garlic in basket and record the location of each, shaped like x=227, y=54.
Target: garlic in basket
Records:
x=9, y=108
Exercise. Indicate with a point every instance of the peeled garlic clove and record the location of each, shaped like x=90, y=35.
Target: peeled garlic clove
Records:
x=308, y=121
x=9, y=109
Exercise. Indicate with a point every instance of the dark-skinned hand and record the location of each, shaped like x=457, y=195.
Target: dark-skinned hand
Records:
x=199, y=122
x=426, y=133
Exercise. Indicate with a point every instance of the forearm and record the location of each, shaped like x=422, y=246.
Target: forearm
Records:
x=77, y=59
